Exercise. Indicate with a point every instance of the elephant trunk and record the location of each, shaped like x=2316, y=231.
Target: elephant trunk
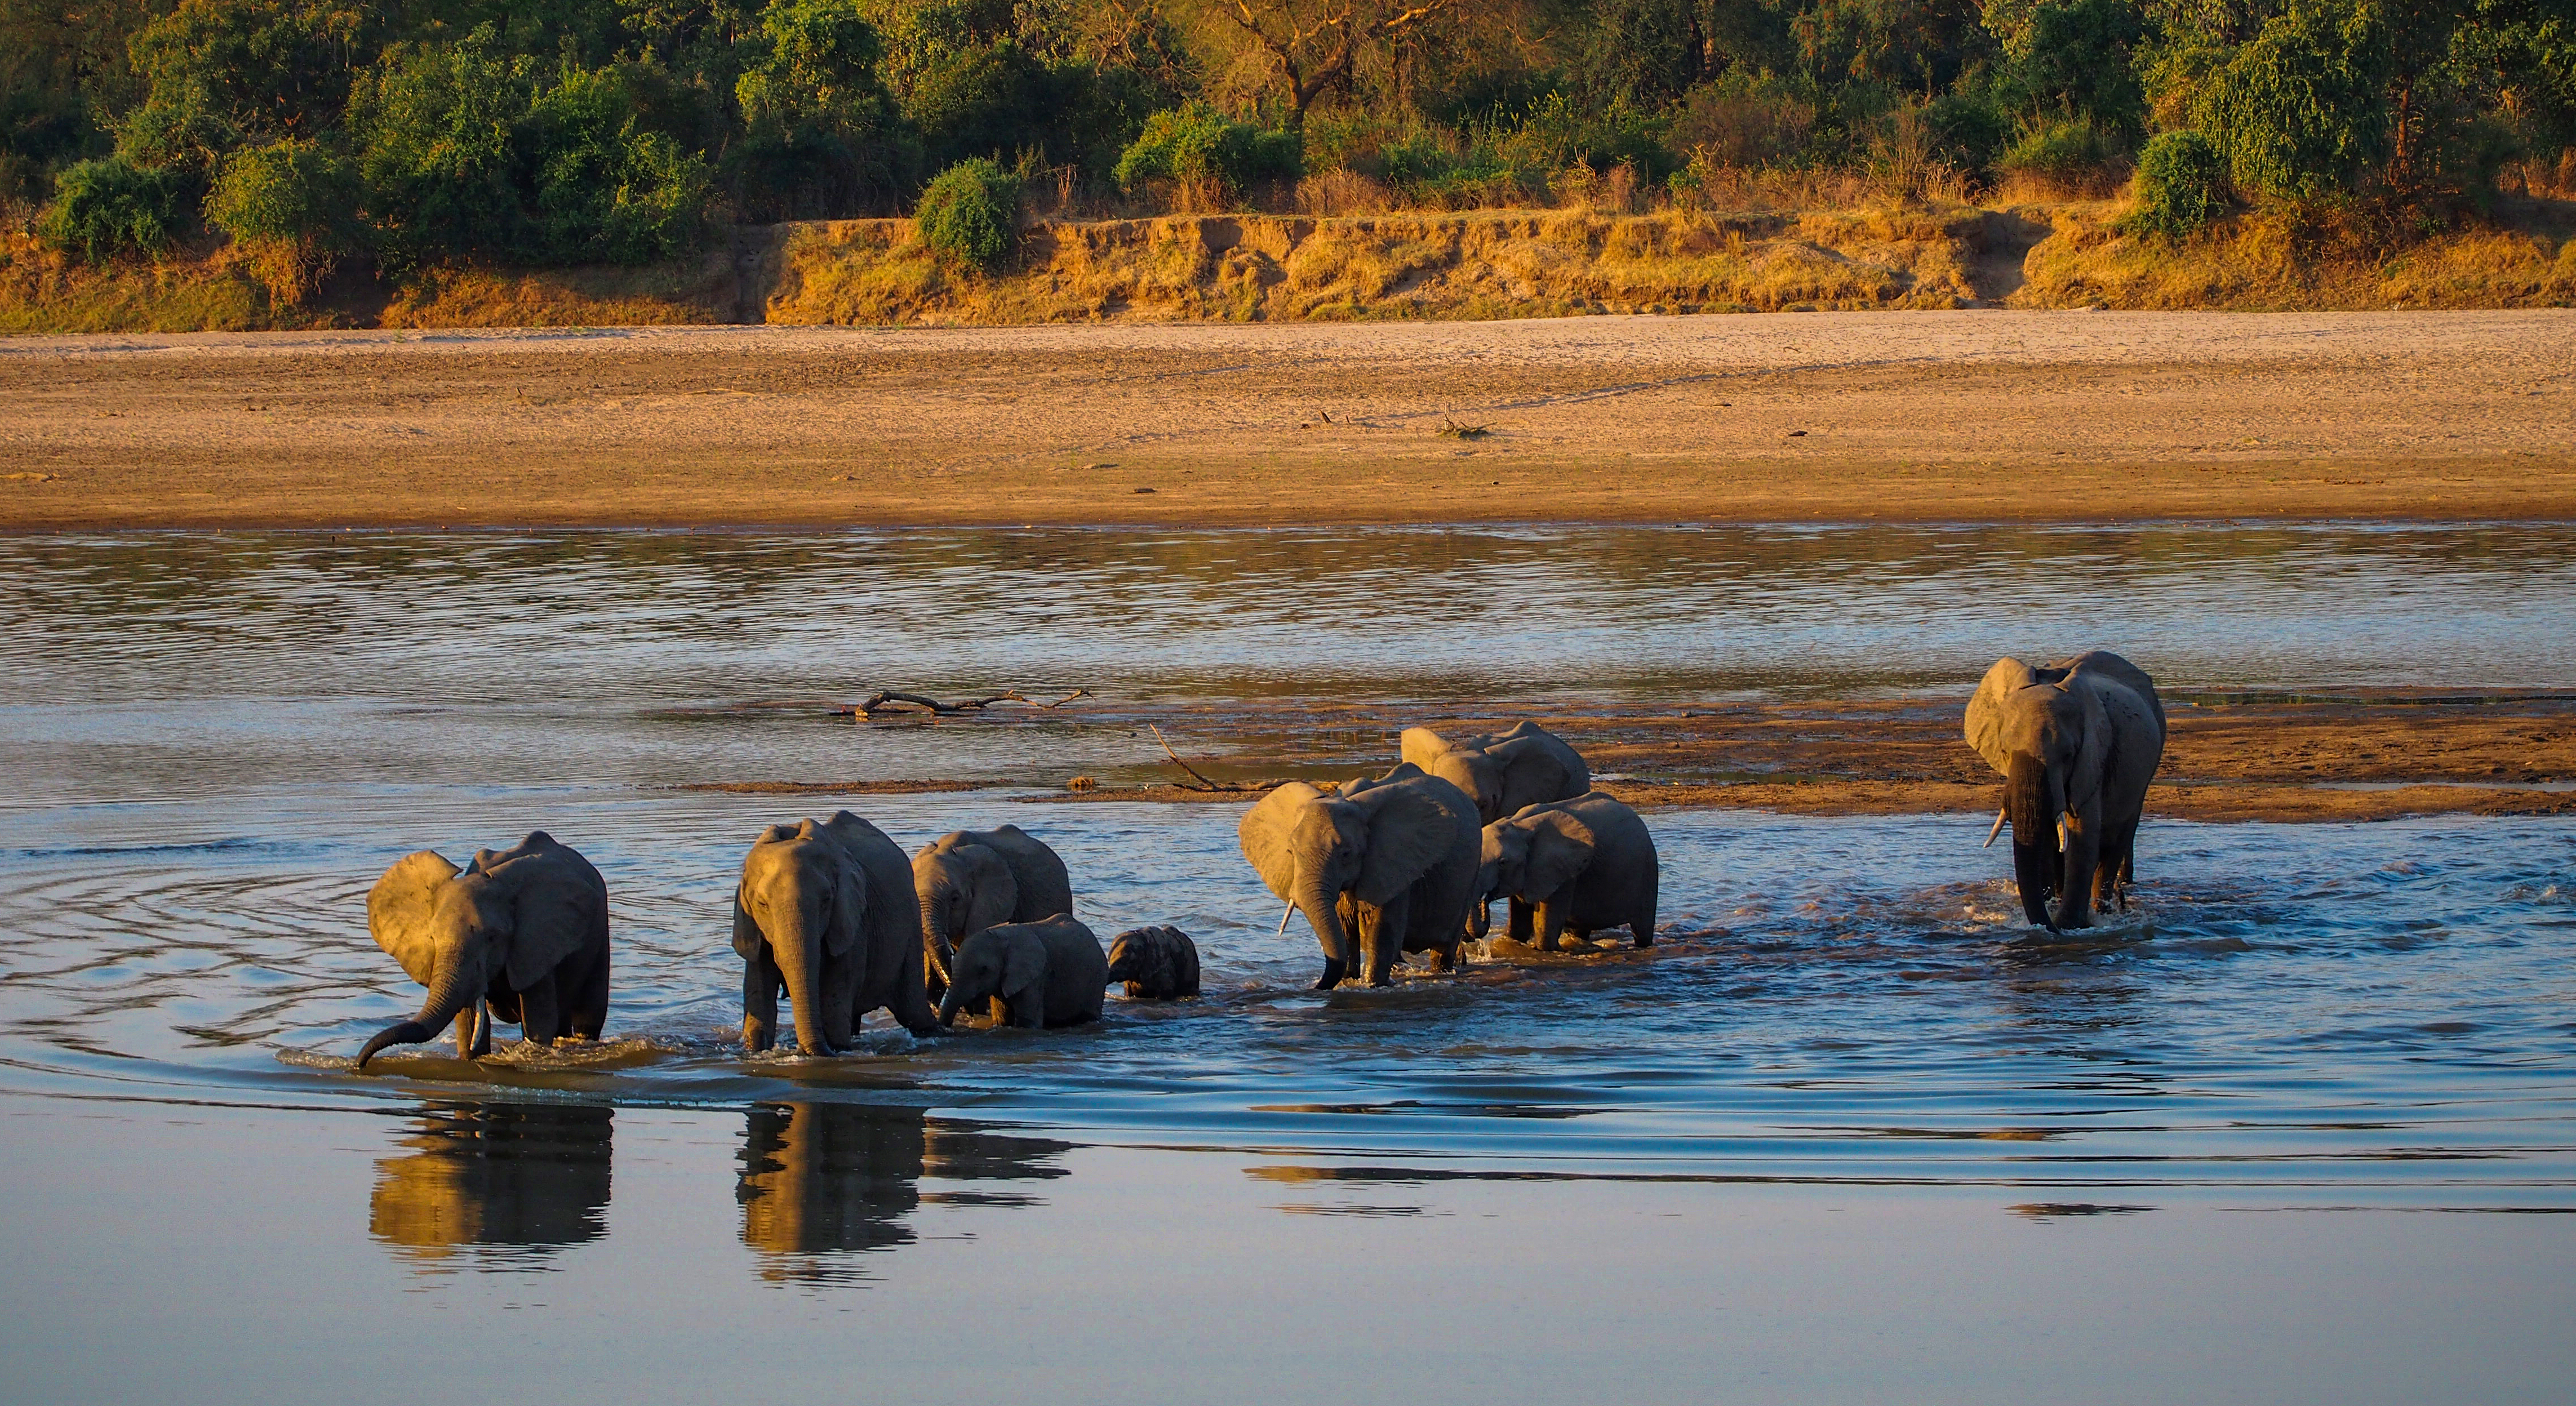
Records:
x=454, y=986
x=950, y=1003
x=935, y=940
x=2034, y=841
x=794, y=947
x=1322, y=907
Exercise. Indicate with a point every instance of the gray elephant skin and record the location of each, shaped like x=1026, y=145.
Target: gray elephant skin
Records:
x=518, y=936
x=1528, y=765
x=1583, y=865
x=1157, y=963
x=826, y=912
x=1382, y=868
x=2077, y=744
x=970, y=880
x=1046, y=973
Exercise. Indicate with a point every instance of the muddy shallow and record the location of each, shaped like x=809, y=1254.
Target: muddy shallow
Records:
x=2310, y=1109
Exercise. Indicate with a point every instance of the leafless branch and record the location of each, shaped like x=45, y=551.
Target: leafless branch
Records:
x=1205, y=782
x=877, y=701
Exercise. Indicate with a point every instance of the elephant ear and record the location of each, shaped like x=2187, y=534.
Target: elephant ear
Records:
x=1561, y=847
x=1023, y=965
x=1420, y=746
x=2093, y=757
x=746, y=933
x=1409, y=831
x=1536, y=766
x=1268, y=833
x=849, y=906
x=399, y=907
x=554, y=908
x=1986, y=710
x=774, y=834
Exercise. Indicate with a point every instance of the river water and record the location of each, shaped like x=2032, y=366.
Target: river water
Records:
x=2302, y=1124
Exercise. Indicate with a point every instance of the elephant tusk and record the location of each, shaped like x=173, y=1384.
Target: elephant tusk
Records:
x=1997, y=830
x=1284, y=915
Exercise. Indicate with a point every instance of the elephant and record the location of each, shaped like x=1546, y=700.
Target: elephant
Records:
x=969, y=880
x=519, y=936
x=1584, y=864
x=1158, y=964
x=1050, y=972
x=514, y=1181
x=826, y=912
x=2077, y=744
x=1389, y=862
x=1528, y=765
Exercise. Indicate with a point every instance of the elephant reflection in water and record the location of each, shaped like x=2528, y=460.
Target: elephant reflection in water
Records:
x=823, y=1180
x=502, y=1182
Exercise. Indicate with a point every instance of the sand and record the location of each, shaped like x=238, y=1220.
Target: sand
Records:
x=1983, y=415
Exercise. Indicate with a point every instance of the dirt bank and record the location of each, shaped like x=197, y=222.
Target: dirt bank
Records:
x=2003, y=416
x=2358, y=758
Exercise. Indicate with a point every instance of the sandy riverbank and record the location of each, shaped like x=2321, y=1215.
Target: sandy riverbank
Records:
x=2371, y=757
x=1987, y=415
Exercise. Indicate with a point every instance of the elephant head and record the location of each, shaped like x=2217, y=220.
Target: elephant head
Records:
x=804, y=898
x=1532, y=855
x=963, y=889
x=2053, y=743
x=486, y=932
x=1009, y=962
x=1502, y=773
x=1370, y=842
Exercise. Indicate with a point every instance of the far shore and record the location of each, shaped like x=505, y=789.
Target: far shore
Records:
x=2003, y=416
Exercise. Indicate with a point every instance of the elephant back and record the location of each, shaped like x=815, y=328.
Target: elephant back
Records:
x=2106, y=667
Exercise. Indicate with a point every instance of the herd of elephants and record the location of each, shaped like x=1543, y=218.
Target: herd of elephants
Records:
x=1410, y=861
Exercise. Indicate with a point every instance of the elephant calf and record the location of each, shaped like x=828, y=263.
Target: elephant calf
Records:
x=1038, y=974
x=1584, y=865
x=1158, y=964
x=970, y=880
x=519, y=936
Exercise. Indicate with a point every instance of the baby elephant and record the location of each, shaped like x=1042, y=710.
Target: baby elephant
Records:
x=1158, y=964
x=1585, y=864
x=518, y=936
x=1049, y=972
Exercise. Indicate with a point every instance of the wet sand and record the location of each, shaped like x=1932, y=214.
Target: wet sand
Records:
x=1993, y=416
x=2227, y=757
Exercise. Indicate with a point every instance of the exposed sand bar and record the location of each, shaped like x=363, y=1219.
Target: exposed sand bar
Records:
x=1986, y=415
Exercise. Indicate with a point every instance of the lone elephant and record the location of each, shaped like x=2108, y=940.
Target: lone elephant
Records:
x=970, y=880
x=519, y=936
x=2076, y=743
x=1583, y=865
x=1045, y=973
x=1388, y=866
x=826, y=912
x=1157, y=964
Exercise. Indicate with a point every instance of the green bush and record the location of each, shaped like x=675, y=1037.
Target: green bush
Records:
x=435, y=127
x=608, y=191
x=971, y=212
x=2060, y=149
x=2181, y=185
x=112, y=206
x=1196, y=144
x=288, y=192
x=2301, y=112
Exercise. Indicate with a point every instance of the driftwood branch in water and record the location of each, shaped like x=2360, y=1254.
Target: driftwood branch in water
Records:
x=877, y=701
x=1205, y=782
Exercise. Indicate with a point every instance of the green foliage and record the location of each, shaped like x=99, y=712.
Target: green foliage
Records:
x=2060, y=149
x=971, y=213
x=2073, y=58
x=2182, y=185
x=435, y=128
x=112, y=206
x=820, y=134
x=1196, y=144
x=291, y=191
x=607, y=190
x=2301, y=112
x=221, y=72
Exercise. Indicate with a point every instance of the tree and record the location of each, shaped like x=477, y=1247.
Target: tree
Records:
x=1316, y=45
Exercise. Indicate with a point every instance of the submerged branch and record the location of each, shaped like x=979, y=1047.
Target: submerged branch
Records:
x=1205, y=782
x=878, y=701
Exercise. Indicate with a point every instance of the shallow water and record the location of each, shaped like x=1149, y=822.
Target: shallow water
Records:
x=2221, y=1119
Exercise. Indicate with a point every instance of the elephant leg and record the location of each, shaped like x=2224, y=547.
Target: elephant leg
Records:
x=759, y=1004
x=1385, y=938
x=1027, y=1012
x=840, y=995
x=1334, y=970
x=2083, y=865
x=1551, y=925
x=540, y=1019
x=1643, y=930
x=911, y=1005
x=1519, y=928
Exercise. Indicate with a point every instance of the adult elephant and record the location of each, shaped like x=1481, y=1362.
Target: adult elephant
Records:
x=519, y=936
x=2076, y=742
x=826, y=911
x=970, y=880
x=1528, y=765
x=1390, y=863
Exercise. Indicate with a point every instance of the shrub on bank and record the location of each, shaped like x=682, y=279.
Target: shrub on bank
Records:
x=1196, y=145
x=112, y=206
x=971, y=213
x=2182, y=185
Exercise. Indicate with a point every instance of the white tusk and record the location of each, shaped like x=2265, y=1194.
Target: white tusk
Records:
x=1990, y=834
x=1284, y=915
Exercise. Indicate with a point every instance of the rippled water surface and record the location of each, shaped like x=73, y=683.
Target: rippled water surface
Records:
x=2318, y=1065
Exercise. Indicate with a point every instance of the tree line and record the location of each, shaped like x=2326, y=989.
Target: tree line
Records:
x=629, y=131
